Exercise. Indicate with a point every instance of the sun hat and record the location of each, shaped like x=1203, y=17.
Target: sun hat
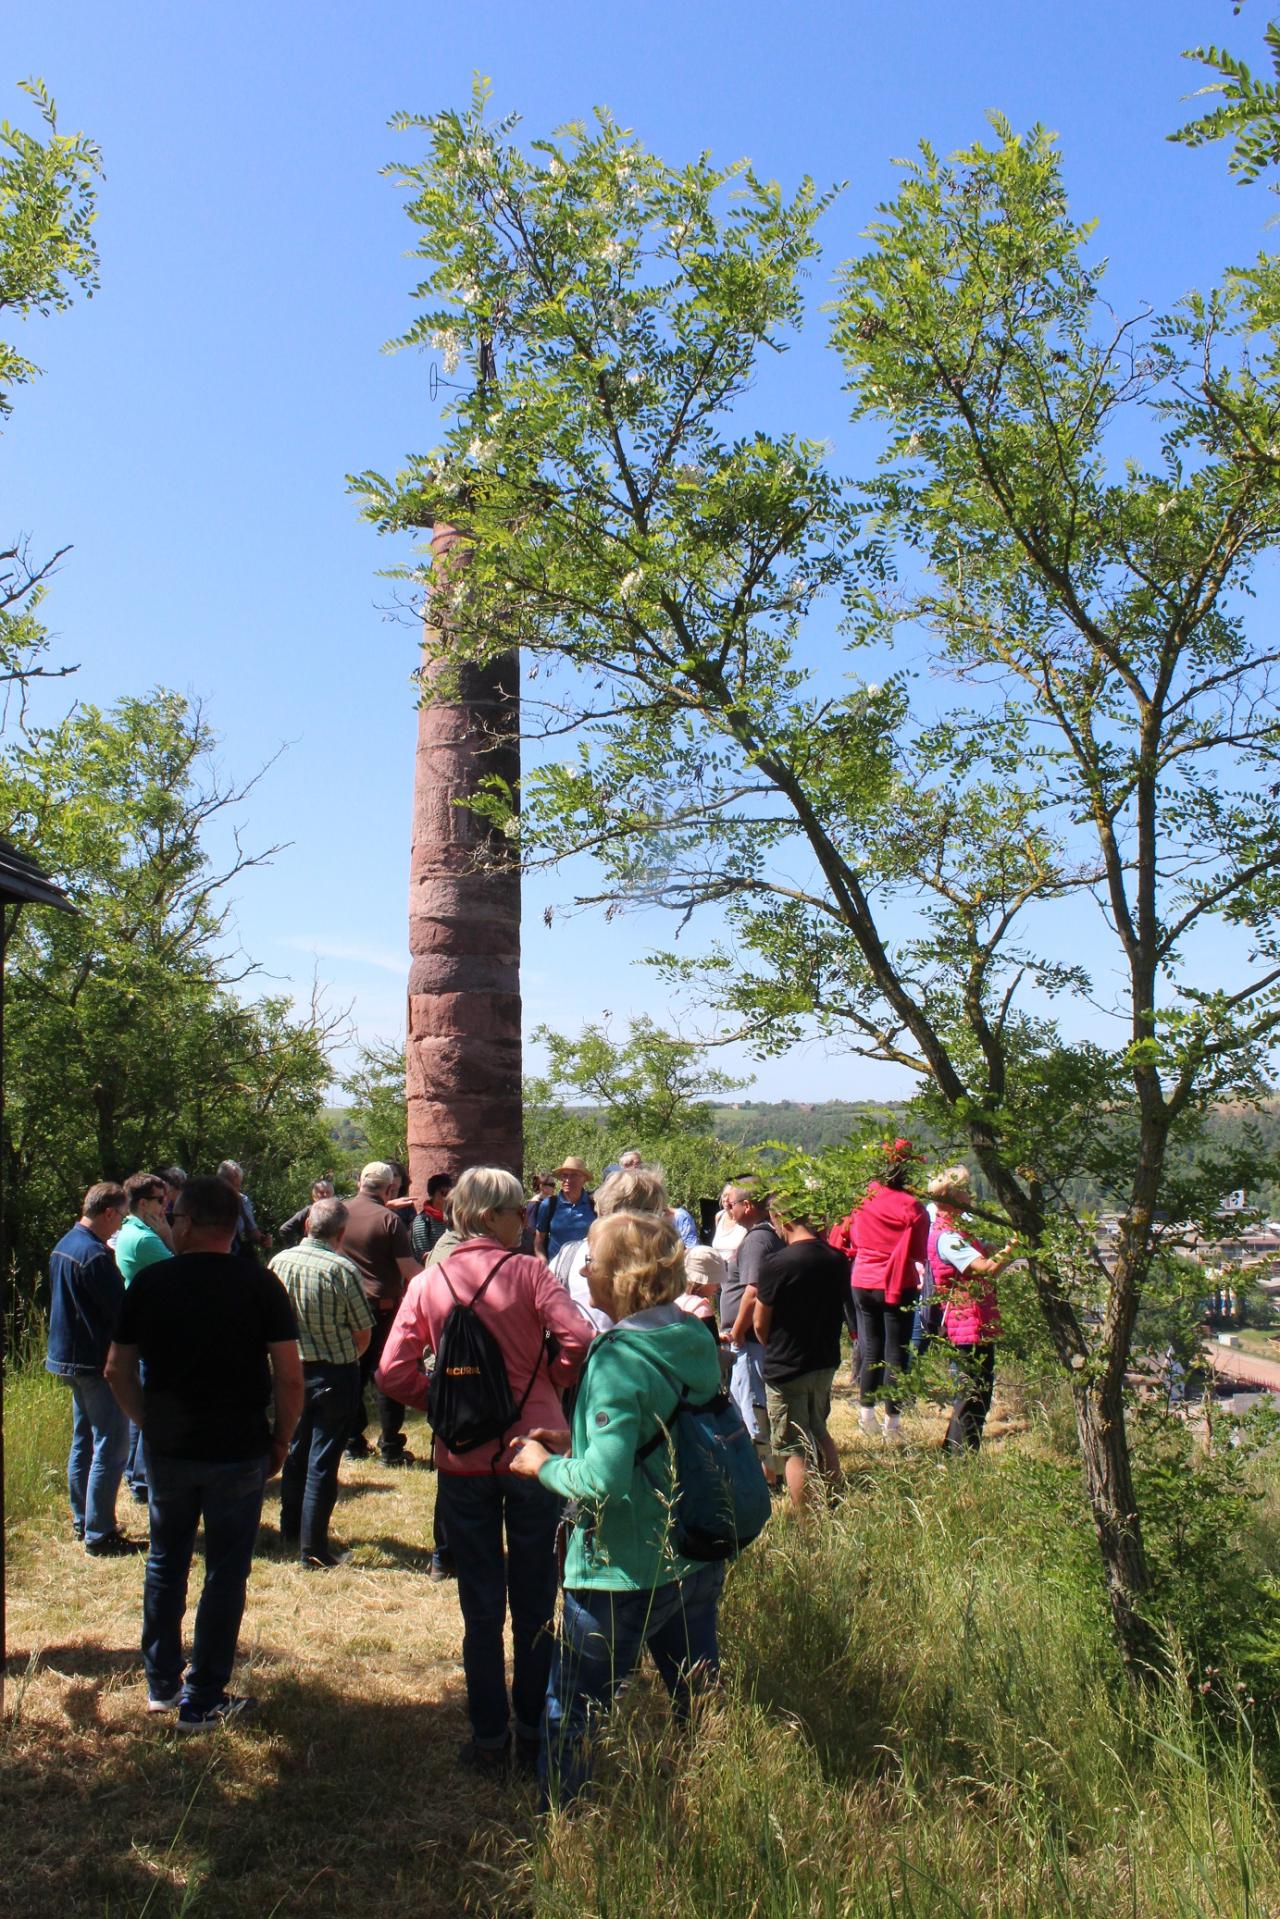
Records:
x=703, y=1267
x=572, y=1165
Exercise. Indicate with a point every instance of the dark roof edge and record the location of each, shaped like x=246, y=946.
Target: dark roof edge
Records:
x=22, y=880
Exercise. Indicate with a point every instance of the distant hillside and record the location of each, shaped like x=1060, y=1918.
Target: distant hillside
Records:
x=796, y=1122
x=813, y=1125
x=344, y=1129
x=808, y=1125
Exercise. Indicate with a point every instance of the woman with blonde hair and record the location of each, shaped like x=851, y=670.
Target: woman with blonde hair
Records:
x=964, y=1276
x=625, y=1585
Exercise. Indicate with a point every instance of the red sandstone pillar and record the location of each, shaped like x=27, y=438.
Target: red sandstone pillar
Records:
x=462, y=1043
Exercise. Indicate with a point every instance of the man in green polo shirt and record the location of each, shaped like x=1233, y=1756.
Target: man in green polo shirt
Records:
x=143, y=1239
x=145, y=1236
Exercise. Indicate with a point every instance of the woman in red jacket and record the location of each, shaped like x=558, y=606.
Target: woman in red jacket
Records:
x=889, y=1235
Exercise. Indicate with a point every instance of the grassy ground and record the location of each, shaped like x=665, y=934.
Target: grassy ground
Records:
x=921, y=1717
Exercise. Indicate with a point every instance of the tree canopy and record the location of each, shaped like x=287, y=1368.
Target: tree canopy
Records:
x=1049, y=795
x=131, y=1037
x=48, y=254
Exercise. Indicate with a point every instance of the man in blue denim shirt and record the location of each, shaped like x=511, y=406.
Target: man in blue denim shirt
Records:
x=86, y=1293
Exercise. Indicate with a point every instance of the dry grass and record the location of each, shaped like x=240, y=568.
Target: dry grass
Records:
x=344, y=1795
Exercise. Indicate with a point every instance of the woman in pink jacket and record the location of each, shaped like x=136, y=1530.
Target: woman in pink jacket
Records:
x=964, y=1274
x=543, y=1339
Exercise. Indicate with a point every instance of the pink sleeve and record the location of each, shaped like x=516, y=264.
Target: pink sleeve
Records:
x=919, y=1249
x=573, y=1331
x=400, y=1376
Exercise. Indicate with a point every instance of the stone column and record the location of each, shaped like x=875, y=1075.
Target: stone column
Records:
x=462, y=1046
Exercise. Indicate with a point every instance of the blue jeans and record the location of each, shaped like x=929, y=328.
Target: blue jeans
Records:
x=476, y=1508
x=926, y=1325
x=135, y=1469
x=601, y=1639
x=99, y=1444
x=390, y=1411
x=309, y=1482
x=746, y=1389
x=227, y=1495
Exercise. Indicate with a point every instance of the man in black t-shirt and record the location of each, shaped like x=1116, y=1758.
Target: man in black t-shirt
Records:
x=219, y=1344
x=800, y=1294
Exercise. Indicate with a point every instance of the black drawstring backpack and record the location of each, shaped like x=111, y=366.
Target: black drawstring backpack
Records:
x=469, y=1401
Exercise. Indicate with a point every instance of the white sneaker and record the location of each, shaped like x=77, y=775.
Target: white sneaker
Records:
x=893, y=1428
x=867, y=1421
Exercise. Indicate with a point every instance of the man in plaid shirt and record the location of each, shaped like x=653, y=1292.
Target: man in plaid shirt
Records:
x=335, y=1323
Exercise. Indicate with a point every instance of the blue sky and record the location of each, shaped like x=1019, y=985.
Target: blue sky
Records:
x=196, y=419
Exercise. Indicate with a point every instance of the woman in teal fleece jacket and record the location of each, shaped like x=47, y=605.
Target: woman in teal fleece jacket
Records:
x=625, y=1585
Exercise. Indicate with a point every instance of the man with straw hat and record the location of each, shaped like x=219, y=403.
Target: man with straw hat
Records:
x=565, y=1215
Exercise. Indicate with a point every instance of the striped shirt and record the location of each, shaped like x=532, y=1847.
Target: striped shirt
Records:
x=328, y=1299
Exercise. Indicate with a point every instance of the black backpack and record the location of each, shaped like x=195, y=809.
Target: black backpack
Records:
x=469, y=1399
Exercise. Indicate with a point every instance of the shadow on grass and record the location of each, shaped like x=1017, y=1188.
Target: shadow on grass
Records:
x=85, y=1660
x=328, y=1803
x=352, y=1489
x=395, y=1552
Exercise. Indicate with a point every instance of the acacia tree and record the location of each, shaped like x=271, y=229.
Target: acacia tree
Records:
x=1066, y=779
x=47, y=255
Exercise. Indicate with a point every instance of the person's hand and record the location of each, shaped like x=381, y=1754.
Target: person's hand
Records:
x=529, y=1457
x=276, y=1456
x=555, y=1438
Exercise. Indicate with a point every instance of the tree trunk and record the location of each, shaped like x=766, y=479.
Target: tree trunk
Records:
x=1108, y=1478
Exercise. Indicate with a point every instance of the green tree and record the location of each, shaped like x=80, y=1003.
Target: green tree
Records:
x=651, y=1090
x=1249, y=113
x=130, y=1038
x=47, y=255
x=652, y=1084
x=916, y=867
x=375, y=1087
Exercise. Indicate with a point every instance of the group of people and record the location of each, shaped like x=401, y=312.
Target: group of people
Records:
x=604, y=1315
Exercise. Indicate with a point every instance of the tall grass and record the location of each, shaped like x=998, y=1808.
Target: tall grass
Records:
x=924, y=1716
x=37, y=1431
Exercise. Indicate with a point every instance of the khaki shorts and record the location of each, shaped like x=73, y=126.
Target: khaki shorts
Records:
x=798, y=1410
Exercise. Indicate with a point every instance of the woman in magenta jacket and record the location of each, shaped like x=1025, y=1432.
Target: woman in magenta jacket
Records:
x=480, y=1499
x=964, y=1274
